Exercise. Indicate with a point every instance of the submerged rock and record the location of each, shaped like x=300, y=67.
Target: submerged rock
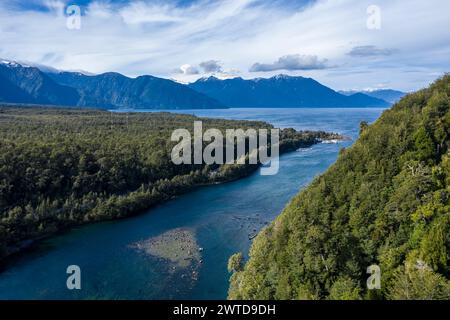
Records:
x=179, y=246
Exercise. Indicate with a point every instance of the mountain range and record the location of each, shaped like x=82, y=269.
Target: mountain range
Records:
x=389, y=95
x=280, y=91
x=23, y=83
x=114, y=90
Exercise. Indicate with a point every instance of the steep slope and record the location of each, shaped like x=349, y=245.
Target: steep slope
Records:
x=278, y=92
x=386, y=201
x=114, y=90
x=36, y=85
x=11, y=93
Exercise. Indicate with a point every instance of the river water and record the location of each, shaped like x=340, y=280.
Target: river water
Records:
x=220, y=219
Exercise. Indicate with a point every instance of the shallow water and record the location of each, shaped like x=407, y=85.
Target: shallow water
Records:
x=220, y=217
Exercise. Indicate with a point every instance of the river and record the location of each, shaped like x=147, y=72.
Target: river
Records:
x=220, y=219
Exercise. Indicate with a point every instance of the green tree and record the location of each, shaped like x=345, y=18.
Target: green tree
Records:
x=424, y=144
x=236, y=262
x=363, y=125
x=344, y=288
x=418, y=283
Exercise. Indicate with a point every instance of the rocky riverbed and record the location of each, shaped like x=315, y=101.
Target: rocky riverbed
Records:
x=178, y=249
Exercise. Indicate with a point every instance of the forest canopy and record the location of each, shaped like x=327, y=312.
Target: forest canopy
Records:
x=386, y=201
x=64, y=167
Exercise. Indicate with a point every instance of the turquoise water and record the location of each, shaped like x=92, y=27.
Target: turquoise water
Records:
x=221, y=218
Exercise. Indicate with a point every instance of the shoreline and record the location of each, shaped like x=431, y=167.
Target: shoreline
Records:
x=22, y=247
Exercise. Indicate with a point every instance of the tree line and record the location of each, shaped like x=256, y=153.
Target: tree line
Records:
x=65, y=167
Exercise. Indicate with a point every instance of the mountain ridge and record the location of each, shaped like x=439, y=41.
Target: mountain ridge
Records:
x=280, y=91
x=36, y=84
x=105, y=91
x=389, y=95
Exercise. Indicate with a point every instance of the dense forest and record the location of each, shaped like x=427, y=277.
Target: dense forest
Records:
x=61, y=167
x=386, y=201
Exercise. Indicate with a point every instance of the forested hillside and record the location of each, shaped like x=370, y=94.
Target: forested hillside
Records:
x=386, y=201
x=61, y=167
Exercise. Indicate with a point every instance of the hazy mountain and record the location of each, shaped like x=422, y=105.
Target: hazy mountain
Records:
x=116, y=90
x=389, y=95
x=363, y=100
x=29, y=84
x=279, y=91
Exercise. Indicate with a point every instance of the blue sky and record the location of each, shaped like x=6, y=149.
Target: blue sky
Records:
x=329, y=41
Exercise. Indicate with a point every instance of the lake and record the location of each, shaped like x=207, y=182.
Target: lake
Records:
x=220, y=219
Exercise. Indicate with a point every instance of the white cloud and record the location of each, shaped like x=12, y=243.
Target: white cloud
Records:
x=211, y=66
x=187, y=69
x=100, y=10
x=291, y=63
x=55, y=6
x=154, y=37
x=140, y=12
x=370, y=51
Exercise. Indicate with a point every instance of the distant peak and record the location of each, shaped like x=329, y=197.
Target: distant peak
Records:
x=287, y=77
x=41, y=67
x=210, y=78
x=11, y=63
x=81, y=72
x=282, y=76
x=113, y=75
x=26, y=64
x=215, y=78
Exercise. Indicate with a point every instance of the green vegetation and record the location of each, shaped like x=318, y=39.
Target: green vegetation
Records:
x=60, y=167
x=236, y=262
x=386, y=201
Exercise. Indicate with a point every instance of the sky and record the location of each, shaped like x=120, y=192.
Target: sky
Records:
x=347, y=45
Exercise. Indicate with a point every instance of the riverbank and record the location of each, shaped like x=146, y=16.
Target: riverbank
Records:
x=126, y=205
x=221, y=216
x=77, y=166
